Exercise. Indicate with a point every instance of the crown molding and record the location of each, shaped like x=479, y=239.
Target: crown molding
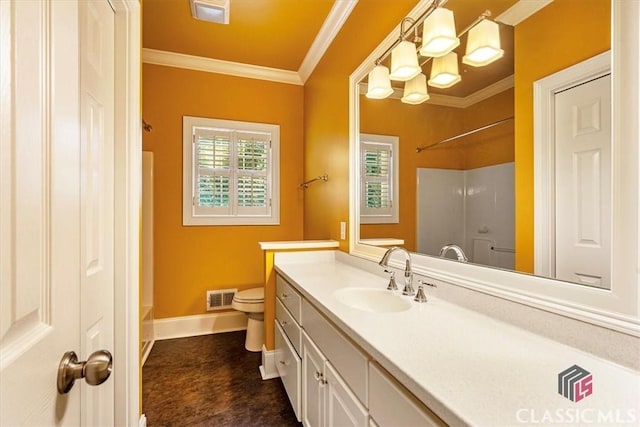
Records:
x=521, y=11
x=489, y=91
x=199, y=63
x=337, y=16
x=455, y=101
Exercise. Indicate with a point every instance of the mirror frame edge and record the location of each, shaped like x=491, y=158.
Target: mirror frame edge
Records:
x=616, y=309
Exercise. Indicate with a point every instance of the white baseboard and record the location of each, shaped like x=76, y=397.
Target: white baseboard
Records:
x=268, y=368
x=204, y=324
x=146, y=349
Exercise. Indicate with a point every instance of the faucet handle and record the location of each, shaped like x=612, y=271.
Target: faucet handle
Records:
x=421, y=296
x=392, y=281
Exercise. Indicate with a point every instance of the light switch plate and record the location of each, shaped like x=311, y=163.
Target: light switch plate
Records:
x=343, y=230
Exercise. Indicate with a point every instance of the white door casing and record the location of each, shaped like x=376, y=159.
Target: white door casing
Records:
x=545, y=91
x=97, y=199
x=583, y=183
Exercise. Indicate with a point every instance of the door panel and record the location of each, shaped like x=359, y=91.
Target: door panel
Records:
x=583, y=183
x=342, y=407
x=39, y=210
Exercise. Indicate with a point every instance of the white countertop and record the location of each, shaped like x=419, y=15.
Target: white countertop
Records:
x=299, y=244
x=467, y=367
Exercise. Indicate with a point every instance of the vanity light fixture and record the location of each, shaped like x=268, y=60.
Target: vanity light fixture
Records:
x=404, y=58
x=439, y=33
x=216, y=11
x=379, y=85
x=415, y=90
x=483, y=44
x=444, y=71
x=439, y=40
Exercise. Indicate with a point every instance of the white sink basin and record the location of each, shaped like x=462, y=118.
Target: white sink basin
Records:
x=372, y=300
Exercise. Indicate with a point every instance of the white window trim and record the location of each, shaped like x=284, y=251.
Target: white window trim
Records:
x=189, y=215
x=392, y=215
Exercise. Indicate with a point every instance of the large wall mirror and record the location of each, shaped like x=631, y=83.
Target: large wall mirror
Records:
x=483, y=164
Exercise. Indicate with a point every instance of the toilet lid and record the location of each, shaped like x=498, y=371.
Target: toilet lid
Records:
x=250, y=295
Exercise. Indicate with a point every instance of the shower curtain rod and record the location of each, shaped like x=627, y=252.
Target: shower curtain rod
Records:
x=471, y=132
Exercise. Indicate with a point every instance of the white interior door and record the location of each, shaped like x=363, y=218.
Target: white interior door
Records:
x=583, y=183
x=39, y=202
x=97, y=198
x=56, y=208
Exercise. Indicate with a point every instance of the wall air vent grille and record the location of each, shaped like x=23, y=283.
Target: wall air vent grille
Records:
x=220, y=299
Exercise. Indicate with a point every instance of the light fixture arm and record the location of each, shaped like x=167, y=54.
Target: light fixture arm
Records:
x=403, y=33
x=484, y=15
x=433, y=6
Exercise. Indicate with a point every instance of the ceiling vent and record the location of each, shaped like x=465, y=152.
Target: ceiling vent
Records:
x=216, y=11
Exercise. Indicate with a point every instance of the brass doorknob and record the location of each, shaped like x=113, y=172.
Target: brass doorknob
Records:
x=95, y=370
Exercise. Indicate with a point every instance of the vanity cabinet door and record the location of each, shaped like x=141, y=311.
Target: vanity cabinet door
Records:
x=313, y=383
x=391, y=405
x=342, y=407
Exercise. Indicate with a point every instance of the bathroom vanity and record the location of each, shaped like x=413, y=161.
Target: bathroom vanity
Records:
x=351, y=353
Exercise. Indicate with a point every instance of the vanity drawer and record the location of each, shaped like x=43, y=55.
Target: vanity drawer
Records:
x=289, y=325
x=289, y=297
x=390, y=404
x=350, y=362
x=288, y=365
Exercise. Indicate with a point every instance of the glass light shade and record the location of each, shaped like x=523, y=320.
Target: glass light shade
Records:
x=379, y=85
x=483, y=44
x=404, y=62
x=444, y=71
x=439, y=33
x=415, y=90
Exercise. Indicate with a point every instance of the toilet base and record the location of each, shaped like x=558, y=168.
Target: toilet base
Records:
x=255, y=333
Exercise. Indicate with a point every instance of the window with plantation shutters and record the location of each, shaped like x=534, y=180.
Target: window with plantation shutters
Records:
x=378, y=179
x=230, y=174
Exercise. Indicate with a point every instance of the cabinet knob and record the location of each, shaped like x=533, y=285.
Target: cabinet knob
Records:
x=283, y=322
x=285, y=295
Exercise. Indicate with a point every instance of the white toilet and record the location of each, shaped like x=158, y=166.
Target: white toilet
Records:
x=251, y=302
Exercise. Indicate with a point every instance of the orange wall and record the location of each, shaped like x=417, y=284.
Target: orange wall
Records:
x=560, y=35
x=424, y=124
x=326, y=114
x=191, y=260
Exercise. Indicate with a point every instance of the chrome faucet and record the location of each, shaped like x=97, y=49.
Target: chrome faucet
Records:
x=408, y=273
x=455, y=248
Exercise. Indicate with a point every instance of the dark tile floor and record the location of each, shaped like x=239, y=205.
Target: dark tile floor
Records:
x=211, y=380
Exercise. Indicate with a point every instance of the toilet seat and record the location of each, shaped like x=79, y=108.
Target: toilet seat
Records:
x=249, y=301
